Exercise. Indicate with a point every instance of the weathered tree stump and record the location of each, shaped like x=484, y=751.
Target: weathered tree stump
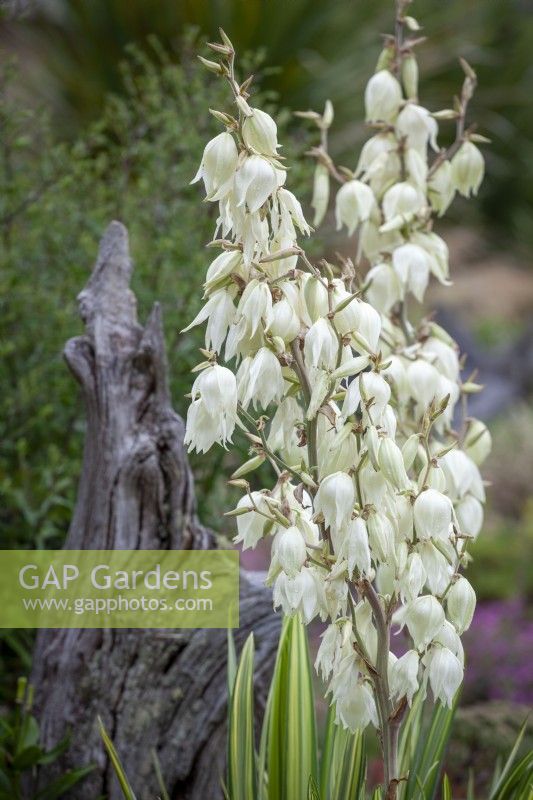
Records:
x=152, y=689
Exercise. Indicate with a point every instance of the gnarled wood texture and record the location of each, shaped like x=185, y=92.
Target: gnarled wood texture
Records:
x=153, y=689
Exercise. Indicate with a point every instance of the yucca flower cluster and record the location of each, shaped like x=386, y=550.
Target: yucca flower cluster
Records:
x=361, y=413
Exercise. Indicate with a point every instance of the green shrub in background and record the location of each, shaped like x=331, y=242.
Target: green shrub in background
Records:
x=134, y=164
x=21, y=755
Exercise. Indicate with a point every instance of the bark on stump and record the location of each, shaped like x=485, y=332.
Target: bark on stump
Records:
x=152, y=689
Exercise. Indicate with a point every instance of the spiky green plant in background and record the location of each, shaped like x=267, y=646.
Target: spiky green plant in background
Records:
x=287, y=764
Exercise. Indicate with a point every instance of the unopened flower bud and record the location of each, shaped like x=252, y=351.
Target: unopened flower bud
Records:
x=316, y=298
x=410, y=449
x=410, y=76
x=391, y=464
x=320, y=198
x=380, y=536
x=373, y=444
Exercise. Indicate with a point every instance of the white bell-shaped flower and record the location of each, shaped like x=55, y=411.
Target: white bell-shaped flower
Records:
x=478, y=441
x=383, y=96
x=251, y=527
x=255, y=181
x=219, y=312
x=448, y=637
x=441, y=188
x=354, y=547
x=413, y=578
x=416, y=168
x=432, y=515
x=416, y=124
x=316, y=298
x=283, y=321
x=445, y=674
x=424, y=381
x=255, y=305
x=469, y=512
x=401, y=199
x=213, y=412
x=443, y=357
x=291, y=550
x=328, y=653
x=293, y=207
x=228, y=262
x=403, y=676
x=260, y=133
x=218, y=164
x=376, y=392
x=321, y=345
x=462, y=475
x=262, y=380
x=356, y=707
x=460, y=604
x=395, y=374
x=382, y=144
x=368, y=328
x=384, y=288
x=424, y=618
x=436, y=566
x=468, y=169
x=335, y=499
x=411, y=264
x=354, y=204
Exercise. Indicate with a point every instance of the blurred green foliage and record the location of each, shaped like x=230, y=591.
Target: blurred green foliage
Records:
x=501, y=562
x=21, y=754
x=56, y=199
x=72, y=49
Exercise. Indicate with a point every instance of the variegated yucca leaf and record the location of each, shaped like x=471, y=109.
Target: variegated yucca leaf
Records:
x=241, y=751
x=291, y=749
